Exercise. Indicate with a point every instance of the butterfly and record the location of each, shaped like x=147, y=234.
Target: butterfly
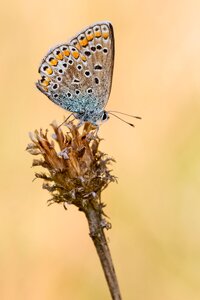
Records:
x=77, y=75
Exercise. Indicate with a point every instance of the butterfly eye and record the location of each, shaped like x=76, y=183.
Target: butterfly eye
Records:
x=105, y=116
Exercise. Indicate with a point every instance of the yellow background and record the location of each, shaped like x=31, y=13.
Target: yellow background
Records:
x=46, y=253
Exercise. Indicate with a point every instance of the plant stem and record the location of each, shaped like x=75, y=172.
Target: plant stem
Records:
x=94, y=217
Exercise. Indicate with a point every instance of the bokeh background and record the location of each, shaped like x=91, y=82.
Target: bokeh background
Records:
x=46, y=252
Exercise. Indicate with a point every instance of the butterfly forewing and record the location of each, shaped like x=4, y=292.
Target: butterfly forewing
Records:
x=96, y=42
x=78, y=75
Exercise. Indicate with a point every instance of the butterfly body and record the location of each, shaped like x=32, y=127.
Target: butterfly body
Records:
x=77, y=75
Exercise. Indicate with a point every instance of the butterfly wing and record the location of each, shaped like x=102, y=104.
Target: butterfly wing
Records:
x=78, y=75
x=96, y=42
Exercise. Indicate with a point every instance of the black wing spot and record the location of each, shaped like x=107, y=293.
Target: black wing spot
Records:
x=64, y=65
x=98, y=67
x=99, y=47
x=55, y=95
x=77, y=92
x=70, y=61
x=60, y=71
x=105, y=50
x=87, y=53
x=89, y=91
x=93, y=48
x=76, y=80
x=96, y=80
x=55, y=86
x=79, y=67
x=69, y=95
x=87, y=73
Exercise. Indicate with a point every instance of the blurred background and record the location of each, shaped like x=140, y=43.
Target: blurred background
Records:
x=46, y=252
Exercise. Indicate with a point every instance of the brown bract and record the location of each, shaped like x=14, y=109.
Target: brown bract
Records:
x=77, y=170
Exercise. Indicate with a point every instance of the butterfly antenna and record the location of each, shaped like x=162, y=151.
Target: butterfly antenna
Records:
x=65, y=120
x=121, y=119
x=119, y=112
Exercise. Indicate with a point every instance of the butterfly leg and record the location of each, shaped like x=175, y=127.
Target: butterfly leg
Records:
x=80, y=123
x=65, y=120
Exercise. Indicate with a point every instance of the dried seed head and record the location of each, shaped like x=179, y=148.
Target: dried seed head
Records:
x=77, y=171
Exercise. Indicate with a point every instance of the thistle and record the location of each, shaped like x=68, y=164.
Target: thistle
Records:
x=77, y=174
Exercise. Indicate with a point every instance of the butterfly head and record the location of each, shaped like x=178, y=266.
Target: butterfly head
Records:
x=96, y=118
x=104, y=116
x=101, y=118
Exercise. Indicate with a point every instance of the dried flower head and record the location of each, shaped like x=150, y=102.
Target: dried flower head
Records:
x=78, y=171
